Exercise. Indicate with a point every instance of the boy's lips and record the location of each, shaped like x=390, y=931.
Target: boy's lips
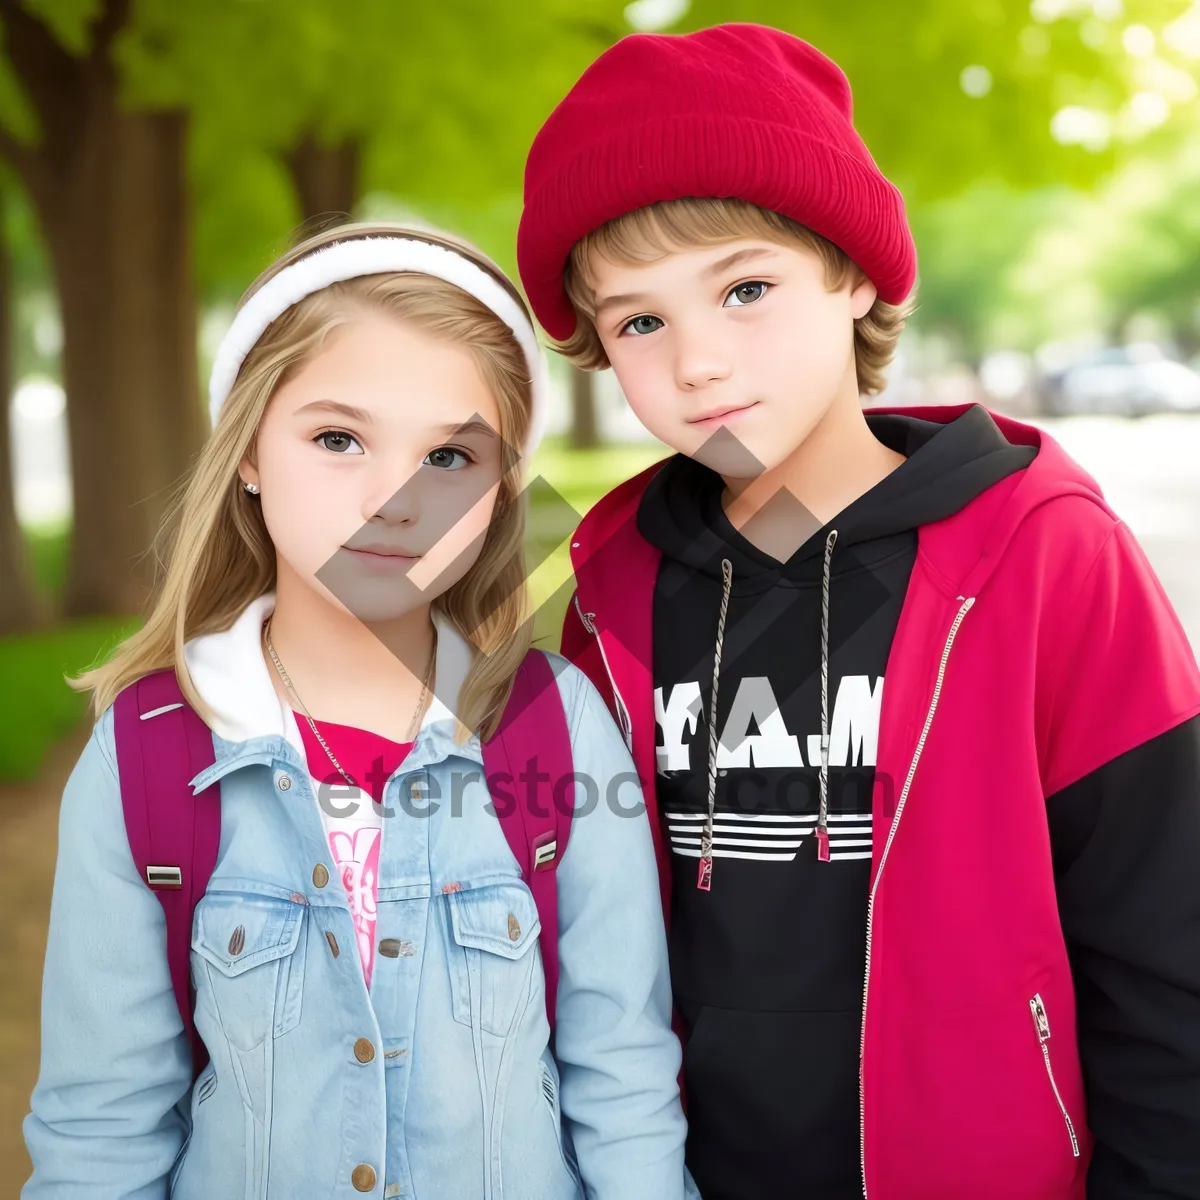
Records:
x=716, y=415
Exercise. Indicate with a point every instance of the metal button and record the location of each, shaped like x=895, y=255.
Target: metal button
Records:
x=395, y=948
x=283, y=781
x=514, y=929
x=363, y=1050
x=333, y=946
x=237, y=941
x=298, y=898
x=320, y=875
x=363, y=1178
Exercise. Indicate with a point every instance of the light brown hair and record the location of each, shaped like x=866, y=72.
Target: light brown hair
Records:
x=650, y=233
x=215, y=553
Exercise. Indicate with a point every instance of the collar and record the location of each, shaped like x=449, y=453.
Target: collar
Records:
x=251, y=723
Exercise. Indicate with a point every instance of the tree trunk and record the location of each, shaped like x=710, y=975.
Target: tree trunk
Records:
x=325, y=178
x=585, y=431
x=109, y=187
x=19, y=606
x=121, y=251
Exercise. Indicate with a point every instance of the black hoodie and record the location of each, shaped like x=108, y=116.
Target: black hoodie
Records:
x=768, y=965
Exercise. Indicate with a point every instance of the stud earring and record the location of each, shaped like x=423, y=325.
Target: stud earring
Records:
x=252, y=488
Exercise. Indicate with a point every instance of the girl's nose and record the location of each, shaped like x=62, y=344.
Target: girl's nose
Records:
x=403, y=505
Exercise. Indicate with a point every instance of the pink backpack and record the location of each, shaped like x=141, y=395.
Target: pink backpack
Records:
x=174, y=835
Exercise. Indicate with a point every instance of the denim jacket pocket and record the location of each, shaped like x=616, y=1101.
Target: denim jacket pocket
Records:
x=248, y=958
x=492, y=930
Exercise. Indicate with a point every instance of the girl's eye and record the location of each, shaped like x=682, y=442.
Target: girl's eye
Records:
x=640, y=326
x=746, y=293
x=337, y=441
x=446, y=458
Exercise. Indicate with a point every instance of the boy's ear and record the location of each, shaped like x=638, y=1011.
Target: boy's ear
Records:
x=863, y=297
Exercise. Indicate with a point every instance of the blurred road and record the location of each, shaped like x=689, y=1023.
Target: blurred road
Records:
x=1149, y=471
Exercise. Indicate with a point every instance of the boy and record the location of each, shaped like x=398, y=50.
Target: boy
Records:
x=912, y=928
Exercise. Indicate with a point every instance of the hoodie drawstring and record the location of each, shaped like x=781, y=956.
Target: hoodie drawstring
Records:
x=704, y=874
x=823, y=810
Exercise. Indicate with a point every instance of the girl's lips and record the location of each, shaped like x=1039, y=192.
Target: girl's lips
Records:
x=723, y=414
x=384, y=561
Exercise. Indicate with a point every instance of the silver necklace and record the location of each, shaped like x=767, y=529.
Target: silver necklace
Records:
x=287, y=683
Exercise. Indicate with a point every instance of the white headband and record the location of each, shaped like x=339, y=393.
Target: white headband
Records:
x=351, y=259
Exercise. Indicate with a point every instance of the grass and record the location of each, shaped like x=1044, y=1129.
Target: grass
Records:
x=572, y=481
x=37, y=708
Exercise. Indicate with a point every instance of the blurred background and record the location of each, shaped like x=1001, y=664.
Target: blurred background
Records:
x=156, y=154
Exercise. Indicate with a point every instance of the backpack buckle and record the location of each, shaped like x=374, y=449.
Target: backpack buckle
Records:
x=166, y=878
x=545, y=848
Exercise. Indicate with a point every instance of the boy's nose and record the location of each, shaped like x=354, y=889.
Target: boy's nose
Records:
x=692, y=376
x=699, y=362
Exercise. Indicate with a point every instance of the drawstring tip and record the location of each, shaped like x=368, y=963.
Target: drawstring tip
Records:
x=822, y=844
x=704, y=875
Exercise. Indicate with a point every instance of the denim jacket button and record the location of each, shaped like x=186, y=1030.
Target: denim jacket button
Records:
x=396, y=948
x=363, y=1178
x=334, y=948
x=320, y=875
x=237, y=941
x=514, y=928
x=283, y=781
x=363, y=1050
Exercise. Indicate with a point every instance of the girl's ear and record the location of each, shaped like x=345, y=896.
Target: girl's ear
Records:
x=862, y=297
x=248, y=473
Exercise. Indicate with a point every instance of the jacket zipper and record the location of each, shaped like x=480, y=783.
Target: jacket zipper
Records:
x=1042, y=1024
x=967, y=602
x=589, y=623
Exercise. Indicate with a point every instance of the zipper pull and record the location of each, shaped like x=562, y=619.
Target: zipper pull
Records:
x=1040, y=1020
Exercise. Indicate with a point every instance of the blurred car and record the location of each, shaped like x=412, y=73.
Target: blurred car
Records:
x=1121, y=381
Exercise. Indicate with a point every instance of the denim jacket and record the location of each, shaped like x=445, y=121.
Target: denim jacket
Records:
x=443, y=1081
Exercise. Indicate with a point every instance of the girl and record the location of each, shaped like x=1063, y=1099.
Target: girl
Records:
x=344, y=606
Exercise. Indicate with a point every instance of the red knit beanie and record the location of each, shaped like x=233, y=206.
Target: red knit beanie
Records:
x=735, y=111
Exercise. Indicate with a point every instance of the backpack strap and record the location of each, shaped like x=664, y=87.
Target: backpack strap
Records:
x=162, y=744
x=533, y=740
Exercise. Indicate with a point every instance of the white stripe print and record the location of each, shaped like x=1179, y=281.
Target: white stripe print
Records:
x=770, y=837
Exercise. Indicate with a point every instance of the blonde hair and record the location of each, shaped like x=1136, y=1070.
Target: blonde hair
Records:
x=649, y=233
x=214, y=551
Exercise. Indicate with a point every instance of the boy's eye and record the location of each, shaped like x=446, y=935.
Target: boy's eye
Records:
x=338, y=441
x=447, y=458
x=642, y=325
x=746, y=293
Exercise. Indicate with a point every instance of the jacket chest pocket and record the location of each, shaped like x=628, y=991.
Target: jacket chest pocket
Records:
x=493, y=931
x=248, y=962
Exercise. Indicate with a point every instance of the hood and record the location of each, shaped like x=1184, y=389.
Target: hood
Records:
x=945, y=467
x=963, y=546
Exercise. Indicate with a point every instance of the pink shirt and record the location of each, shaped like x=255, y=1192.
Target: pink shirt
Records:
x=369, y=760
